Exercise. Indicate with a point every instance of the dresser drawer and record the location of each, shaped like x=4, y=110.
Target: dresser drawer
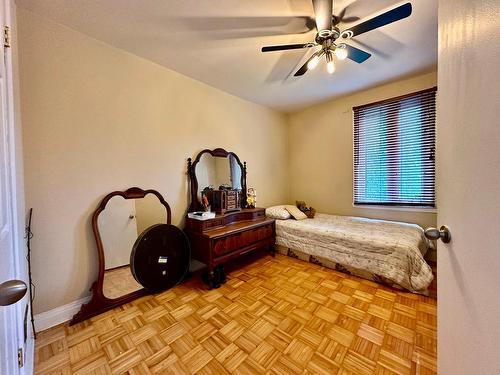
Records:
x=233, y=242
x=231, y=206
x=213, y=223
x=261, y=215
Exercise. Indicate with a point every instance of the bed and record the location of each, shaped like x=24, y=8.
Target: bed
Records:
x=388, y=252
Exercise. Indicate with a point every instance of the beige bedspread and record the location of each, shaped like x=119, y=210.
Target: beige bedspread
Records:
x=393, y=250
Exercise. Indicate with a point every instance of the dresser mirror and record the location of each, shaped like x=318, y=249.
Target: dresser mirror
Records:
x=215, y=169
x=119, y=220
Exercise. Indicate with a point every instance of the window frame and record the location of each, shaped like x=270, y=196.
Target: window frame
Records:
x=397, y=206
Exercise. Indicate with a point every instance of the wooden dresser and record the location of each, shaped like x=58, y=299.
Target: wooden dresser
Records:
x=230, y=235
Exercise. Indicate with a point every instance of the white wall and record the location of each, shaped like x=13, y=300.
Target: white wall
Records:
x=98, y=119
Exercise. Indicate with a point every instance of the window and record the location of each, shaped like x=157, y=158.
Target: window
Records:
x=394, y=149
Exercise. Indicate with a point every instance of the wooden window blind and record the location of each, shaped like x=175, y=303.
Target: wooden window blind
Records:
x=394, y=151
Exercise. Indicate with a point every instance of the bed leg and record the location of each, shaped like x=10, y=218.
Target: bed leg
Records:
x=272, y=250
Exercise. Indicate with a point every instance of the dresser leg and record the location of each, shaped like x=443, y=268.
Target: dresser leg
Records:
x=212, y=282
x=220, y=275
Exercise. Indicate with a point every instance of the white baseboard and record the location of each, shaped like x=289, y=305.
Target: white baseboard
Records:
x=58, y=315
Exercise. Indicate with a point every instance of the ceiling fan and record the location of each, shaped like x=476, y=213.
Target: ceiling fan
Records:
x=328, y=35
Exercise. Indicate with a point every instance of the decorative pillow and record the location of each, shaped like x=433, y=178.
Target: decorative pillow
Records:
x=295, y=212
x=309, y=211
x=278, y=212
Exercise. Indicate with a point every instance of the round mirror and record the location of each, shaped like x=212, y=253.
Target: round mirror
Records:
x=160, y=257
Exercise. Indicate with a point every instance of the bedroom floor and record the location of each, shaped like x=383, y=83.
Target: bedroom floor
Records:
x=276, y=316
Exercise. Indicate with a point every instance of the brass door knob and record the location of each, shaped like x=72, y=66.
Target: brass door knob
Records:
x=12, y=291
x=442, y=233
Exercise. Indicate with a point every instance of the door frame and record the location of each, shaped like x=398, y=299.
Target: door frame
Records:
x=16, y=188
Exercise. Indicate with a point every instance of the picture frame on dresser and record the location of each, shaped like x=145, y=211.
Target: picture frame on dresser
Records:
x=216, y=240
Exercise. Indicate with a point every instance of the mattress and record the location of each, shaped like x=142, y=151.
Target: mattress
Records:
x=389, y=252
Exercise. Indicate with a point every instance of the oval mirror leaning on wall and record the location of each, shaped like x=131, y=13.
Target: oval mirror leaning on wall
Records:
x=118, y=223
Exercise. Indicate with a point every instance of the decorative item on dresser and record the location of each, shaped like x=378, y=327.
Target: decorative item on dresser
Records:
x=251, y=197
x=224, y=200
x=228, y=235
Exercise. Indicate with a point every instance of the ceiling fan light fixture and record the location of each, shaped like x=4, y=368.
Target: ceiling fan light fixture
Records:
x=330, y=65
x=347, y=34
x=329, y=33
x=341, y=52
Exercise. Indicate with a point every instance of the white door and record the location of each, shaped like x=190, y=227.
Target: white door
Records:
x=468, y=162
x=11, y=257
x=118, y=230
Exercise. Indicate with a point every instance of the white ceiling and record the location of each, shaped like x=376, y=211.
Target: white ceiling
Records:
x=214, y=41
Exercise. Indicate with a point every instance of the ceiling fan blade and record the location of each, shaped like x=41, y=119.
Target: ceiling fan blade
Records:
x=323, y=10
x=303, y=69
x=356, y=54
x=286, y=47
x=287, y=25
x=342, y=13
x=341, y=17
x=350, y=19
x=386, y=18
x=286, y=65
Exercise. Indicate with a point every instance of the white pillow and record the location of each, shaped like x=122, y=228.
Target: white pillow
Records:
x=295, y=212
x=278, y=212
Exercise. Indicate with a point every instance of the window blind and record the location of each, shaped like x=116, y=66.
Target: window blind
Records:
x=394, y=151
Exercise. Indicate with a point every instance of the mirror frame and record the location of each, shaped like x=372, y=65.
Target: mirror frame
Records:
x=218, y=152
x=99, y=303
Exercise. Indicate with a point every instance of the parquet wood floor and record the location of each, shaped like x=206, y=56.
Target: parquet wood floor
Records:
x=273, y=316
